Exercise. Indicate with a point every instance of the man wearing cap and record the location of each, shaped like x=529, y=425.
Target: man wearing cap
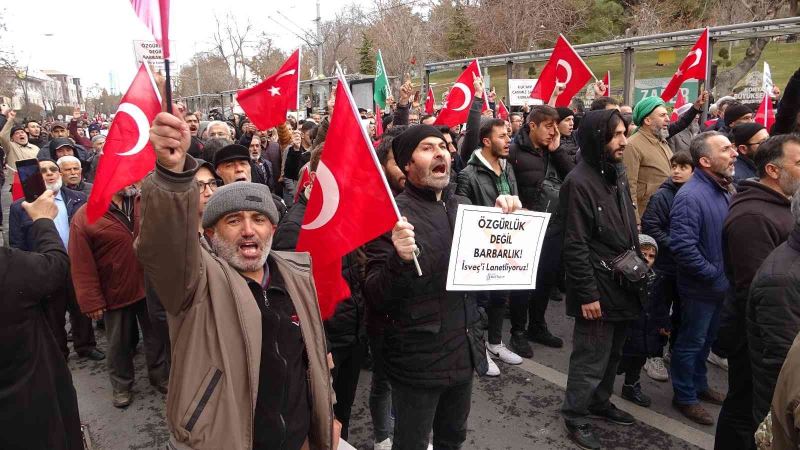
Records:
x=566, y=126
x=58, y=130
x=14, y=141
x=432, y=340
x=245, y=325
x=735, y=115
x=747, y=137
x=647, y=159
x=232, y=163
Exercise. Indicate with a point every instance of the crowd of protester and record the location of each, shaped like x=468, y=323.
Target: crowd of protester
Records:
x=672, y=244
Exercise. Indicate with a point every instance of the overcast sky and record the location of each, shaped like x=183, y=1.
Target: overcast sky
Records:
x=92, y=39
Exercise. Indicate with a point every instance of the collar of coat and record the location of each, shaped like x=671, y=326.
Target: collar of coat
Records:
x=478, y=160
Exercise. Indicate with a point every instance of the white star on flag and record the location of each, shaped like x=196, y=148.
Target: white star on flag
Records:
x=679, y=73
x=275, y=91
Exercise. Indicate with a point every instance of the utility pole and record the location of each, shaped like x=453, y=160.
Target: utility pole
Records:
x=320, y=70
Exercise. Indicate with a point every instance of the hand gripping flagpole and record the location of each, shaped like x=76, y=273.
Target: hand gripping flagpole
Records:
x=342, y=79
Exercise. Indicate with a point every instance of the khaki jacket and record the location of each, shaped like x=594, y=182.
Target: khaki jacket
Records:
x=14, y=151
x=786, y=402
x=215, y=326
x=647, y=165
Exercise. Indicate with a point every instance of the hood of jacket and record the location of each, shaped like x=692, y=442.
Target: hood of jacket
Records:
x=752, y=190
x=592, y=136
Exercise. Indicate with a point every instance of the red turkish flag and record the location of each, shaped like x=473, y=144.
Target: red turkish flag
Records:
x=350, y=202
x=127, y=154
x=502, y=111
x=16, y=188
x=430, y=102
x=766, y=115
x=302, y=182
x=678, y=104
x=267, y=103
x=456, y=109
x=564, y=66
x=693, y=67
x=155, y=15
x=607, y=83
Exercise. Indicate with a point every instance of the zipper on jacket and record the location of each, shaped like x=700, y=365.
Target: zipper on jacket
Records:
x=285, y=369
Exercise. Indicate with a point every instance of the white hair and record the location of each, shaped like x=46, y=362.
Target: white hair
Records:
x=217, y=123
x=66, y=159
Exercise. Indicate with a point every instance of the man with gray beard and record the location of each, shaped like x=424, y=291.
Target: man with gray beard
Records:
x=109, y=282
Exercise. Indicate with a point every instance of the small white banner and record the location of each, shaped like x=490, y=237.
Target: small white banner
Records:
x=519, y=92
x=149, y=52
x=494, y=251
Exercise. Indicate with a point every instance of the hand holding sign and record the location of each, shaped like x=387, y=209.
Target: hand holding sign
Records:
x=508, y=203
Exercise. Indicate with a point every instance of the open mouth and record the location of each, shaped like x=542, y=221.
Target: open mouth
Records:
x=440, y=169
x=249, y=249
x=242, y=178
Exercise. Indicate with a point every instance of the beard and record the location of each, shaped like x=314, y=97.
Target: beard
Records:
x=229, y=251
x=788, y=184
x=55, y=186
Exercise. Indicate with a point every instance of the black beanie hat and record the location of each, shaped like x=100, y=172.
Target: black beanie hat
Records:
x=563, y=113
x=403, y=145
x=743, y=132
x=735, y=112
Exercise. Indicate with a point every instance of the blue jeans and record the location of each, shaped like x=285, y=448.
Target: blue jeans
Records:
x=698, y=330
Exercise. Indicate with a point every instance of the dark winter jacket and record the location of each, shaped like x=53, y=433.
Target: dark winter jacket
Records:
x=569, y=144
x=344, y=328
x=83, y=186
x=655, y=223
x=773, y=319
x=38, y=404
x=696, y=220
x=295, y=160
x=600, y=224
x=530, y=166
x=478, y=182
x=644, y=339
x=20, y=222
x=759, y=220
x=789, y=107
x=432, y=338
x=744, y=169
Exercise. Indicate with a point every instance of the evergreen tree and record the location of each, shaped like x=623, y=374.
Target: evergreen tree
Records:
x=460, y=35
x=366, y=56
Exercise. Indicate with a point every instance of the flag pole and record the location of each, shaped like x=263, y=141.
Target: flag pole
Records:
x=372, y=153
x=168, y=87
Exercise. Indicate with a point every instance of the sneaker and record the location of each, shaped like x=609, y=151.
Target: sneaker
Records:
x=633, y=393
x=696, y=413
x=711, y=396
x=502, y=352
x=718, y=361
x=582, y=436
x=542, y=335
x=519, y=344
x=386, y=444
x=493, y=371
x=121, y=399
x=655, y=369
x=93, y=354
x=614, y=415
x=430, y=446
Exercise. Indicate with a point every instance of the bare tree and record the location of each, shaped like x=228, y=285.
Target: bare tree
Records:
x=267, y=59
x=230, y=40
x=215, y=75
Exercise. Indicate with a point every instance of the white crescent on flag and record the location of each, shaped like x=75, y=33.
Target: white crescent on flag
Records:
x=142, y=124
x=463, y=88
x=285, y=74
x=698, y=54
x=330, y=197
x=566, y=67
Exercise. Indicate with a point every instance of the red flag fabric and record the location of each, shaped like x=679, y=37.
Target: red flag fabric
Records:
x=502, y=111
x=456, y=109
x=267, y=103
x=607, y=83
x=127, y=154
x=430, y=102
x=693, y=67
x=155, y=14
x=302, y=183
x=766, y=115
x=564, y=66
x=350, y=202
x=681, y=101
x=379, y=121
x=16, y=188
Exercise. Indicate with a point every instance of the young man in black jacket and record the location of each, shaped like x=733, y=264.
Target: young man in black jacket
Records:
x=432, y=341
x=600, y=225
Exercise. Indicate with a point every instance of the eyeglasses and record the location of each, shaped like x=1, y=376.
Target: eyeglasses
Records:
x=51, y=169
x=211, y=184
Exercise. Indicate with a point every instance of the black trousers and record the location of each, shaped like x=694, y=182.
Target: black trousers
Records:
x=631, y=366
x=418, y=410
x=736, y=426
x=121, y=326
x=536, y=301
x=83, y=340
x=158, y=321
x=347, y=367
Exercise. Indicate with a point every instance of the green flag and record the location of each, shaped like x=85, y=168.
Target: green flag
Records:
x=381, y=83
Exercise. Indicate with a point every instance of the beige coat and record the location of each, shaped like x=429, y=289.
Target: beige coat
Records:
x=647, y=165
x=786, y=402
x=14, y=151
x=215, y=326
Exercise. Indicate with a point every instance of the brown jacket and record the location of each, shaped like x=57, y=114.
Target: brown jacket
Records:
x=647, y=165
x=215, y=326
x=786, y=402
x=105, y=271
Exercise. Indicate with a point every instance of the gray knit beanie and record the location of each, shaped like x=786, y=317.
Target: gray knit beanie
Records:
x=644, y=239
x=240, y=196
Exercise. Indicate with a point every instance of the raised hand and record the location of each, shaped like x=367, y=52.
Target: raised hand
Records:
x=171, y=139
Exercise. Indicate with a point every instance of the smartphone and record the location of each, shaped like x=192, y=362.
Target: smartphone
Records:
x=31, y=179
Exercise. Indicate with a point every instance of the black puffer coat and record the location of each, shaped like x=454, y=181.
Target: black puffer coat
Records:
x=600, y=224
x=432, y=338
x=655, y=223
x=773, y=319
x=346, y=326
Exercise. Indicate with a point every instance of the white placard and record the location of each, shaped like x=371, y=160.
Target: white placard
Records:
x=495, y=251
x=150, y=52
x=519, y=92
